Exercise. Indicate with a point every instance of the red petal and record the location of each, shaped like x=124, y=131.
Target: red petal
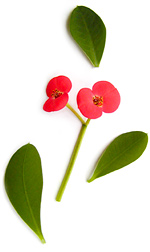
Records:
x=84, y=96
x=56, y=104
x=111, y=96
x=61, y=83
x=86, y=105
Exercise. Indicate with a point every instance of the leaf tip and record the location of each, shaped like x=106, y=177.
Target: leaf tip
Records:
x=43, y=240
x=90, y=180
x=41, y=237
x=96, y=64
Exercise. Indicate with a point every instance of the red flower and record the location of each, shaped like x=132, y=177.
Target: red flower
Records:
x=103, y=97
x=57, y=90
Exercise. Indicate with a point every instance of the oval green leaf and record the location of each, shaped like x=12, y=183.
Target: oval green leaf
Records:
x=23, y=184
x=122, y=151
x=89, y=32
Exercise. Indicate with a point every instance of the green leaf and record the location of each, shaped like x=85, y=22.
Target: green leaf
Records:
x=122, y=151
x=89, y=31
x=23, y=184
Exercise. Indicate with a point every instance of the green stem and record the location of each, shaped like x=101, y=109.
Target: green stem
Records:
x=75, y=113
x=72, y=161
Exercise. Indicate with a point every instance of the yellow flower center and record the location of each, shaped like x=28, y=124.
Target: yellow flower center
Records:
x=56, y=93
x=98, y=100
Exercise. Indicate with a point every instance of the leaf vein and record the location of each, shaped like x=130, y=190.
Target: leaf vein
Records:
x=26, y=195
x=88, y=32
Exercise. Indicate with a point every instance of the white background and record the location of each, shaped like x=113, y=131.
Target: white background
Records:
x=113, y=212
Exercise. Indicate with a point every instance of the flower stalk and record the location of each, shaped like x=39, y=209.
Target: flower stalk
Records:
x=74, y=154
x=75, y=113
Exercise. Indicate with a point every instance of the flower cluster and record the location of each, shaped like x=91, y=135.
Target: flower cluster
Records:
x=103, y=97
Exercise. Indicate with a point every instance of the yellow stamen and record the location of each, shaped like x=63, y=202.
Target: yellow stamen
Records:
x=98, y=100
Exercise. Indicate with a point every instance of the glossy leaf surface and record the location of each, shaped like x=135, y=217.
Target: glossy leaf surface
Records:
x=122, y=151
x=23, y=184
x=89, y=31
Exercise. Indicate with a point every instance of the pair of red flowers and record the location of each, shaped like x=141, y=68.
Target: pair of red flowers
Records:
x=103, y=97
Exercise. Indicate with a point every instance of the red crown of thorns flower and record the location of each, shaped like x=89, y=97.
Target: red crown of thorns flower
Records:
x=103, y=97
x=57, y=90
